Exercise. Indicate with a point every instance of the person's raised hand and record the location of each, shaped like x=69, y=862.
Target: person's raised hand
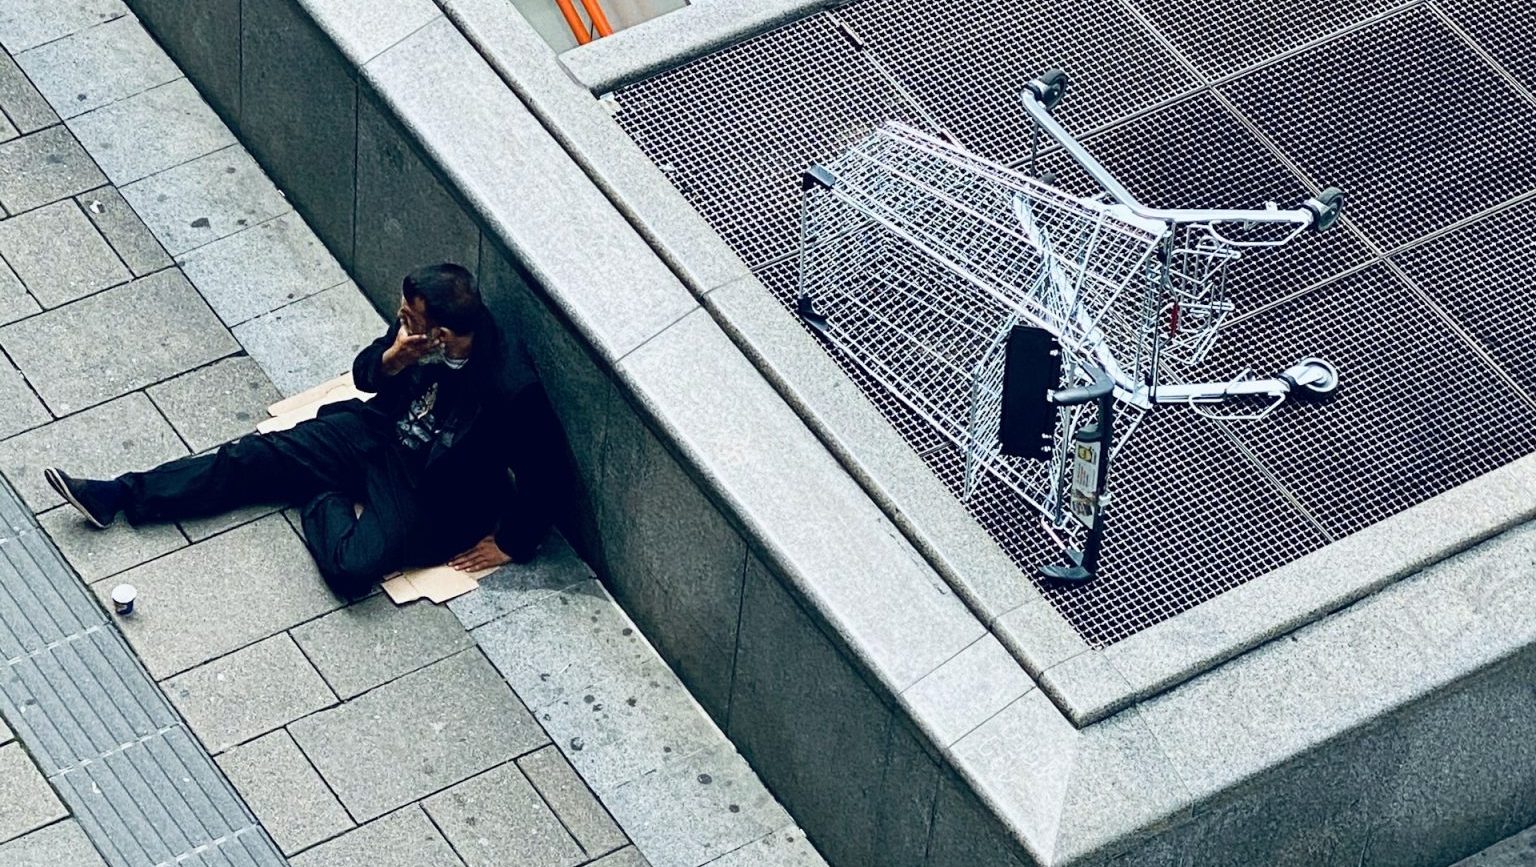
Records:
x=407, y=349
x=486, y=554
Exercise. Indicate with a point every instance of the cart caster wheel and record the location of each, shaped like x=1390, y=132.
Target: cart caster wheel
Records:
x=1326, y=208
x=1069, y=574
x=1312, y=377
x=1050, y=87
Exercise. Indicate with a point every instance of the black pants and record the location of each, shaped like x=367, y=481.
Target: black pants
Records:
x=324, y=465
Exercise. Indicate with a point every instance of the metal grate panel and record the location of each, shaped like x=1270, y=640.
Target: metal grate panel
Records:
x=1506, y=29
x=1496, y=299
x=1375, y=112
x=968, y=62
x=1417, y=414
x=1221, y=37
x=731, y=130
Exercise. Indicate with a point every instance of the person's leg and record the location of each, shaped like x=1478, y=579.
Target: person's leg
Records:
x=281, y=467
x=352, y=551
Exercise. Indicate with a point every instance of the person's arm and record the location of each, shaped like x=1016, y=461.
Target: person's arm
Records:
x=381, y=360
x=533, y=446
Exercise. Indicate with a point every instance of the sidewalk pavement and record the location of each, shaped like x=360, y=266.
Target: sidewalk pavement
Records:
x=156, y=293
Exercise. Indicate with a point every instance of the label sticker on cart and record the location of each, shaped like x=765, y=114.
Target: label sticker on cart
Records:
x=1085, y=478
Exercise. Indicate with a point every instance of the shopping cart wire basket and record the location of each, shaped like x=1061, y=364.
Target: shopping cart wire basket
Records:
x=1025, y=323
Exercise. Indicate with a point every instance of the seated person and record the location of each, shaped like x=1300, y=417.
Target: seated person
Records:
x=427, y=456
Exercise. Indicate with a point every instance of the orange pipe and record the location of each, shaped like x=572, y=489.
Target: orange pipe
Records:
x=573, y=21
x=599, y=20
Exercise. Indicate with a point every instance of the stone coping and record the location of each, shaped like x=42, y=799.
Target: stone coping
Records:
x=1067, y=791
x=677, y=37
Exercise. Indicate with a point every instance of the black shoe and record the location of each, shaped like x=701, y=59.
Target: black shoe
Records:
x=99, y=502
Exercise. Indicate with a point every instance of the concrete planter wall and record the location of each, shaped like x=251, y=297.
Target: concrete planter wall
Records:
x=875, y=697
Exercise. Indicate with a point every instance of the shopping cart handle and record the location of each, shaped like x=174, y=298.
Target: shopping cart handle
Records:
x=1101, y=388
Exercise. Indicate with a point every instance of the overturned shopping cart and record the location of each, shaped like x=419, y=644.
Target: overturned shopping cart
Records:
x=1019, y=320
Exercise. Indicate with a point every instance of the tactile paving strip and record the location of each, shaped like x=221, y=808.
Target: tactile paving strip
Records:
x=121, y=759
x=1204, y=506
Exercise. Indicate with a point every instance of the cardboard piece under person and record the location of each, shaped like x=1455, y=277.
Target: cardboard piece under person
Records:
x=437, y=583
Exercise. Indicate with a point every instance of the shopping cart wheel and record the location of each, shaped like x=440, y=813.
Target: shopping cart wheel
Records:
x=1326, y=208
x=1312, y=377
x=1050, y=87
x=805, y=306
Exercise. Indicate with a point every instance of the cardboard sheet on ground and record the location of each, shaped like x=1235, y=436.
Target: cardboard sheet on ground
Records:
x=303, y=406
x=437, y=583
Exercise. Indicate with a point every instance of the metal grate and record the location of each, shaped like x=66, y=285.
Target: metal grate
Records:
x=1376, y=112
x=141, y=788
x=747, y=138
x=1200, y=506
x=1417, y=414
x=1496, y=299
x=967, y=62
x=1221, y=37
x=1194, y=153
x=1505, y=28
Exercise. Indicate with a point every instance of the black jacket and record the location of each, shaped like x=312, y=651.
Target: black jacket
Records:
x=497, y=419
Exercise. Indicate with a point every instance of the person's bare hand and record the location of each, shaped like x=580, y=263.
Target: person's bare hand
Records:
x=408, y=349
x=486, y=554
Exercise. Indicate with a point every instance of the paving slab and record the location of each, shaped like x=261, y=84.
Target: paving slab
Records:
x=694, y=810
x=102, y=442
x=375, y=641
x=262, y=268
x=248, y=693
x=217, y=403
x=96, y=66
x=150, y=132
x=198, y=529
x=20, y=101
x=98, y=554
x=15, y=302
x=19, y=407
x=59, y=255
x=416, y=735
x=28, y=23
x=61, y=844
x=44, y=167
x=516, y=585
x=596, y=686
x=7, y=130
x=26, y=800
x=629, y=856
x=565, y=793
x=206, y=600
x=312, y=340
x=497, y=818
x=786, y=847
x=402, y=839
x=284, y=791
x=206, y=199
x=116, y=341
x=123, y=229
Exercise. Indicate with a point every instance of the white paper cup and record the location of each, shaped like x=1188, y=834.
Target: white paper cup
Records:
x=123, y=596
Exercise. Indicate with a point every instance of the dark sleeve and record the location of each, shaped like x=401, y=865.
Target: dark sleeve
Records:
x=538, y=456
x=368, y=367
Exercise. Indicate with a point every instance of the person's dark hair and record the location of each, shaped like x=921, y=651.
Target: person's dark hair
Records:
x=452, y=299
